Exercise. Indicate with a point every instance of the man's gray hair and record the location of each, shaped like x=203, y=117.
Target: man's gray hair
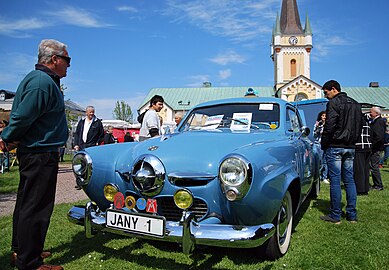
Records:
x=89, y=107
x=48, y=48
x=377, y=110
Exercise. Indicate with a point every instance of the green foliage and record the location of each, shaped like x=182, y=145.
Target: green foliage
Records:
x=70, y=118
x=122, y=111
x=315, y=244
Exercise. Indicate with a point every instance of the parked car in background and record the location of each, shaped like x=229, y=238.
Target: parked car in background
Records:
x=233, y=175
x=5, y=94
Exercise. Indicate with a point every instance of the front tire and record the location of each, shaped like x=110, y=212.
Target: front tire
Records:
x=278, y=244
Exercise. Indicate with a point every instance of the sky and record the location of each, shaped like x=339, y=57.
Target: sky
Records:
x=121, y=49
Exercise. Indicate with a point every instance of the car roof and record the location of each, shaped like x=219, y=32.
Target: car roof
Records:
x=243, y=100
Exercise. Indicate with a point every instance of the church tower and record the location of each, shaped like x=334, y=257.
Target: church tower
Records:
x=290, y=51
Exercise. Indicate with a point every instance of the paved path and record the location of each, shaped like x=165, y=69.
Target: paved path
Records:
x=65, y=191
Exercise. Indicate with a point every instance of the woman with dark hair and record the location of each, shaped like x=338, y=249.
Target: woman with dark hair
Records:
x=317, y=131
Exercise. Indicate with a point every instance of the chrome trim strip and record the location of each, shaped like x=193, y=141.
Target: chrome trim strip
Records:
x=189, y=235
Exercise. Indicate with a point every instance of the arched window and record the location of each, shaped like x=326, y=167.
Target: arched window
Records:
x=300, y=97
x=293, y=68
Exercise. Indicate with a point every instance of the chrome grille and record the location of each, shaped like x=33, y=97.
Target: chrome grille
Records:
x=171, y=212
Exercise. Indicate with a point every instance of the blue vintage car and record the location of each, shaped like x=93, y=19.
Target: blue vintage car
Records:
x=232, y=175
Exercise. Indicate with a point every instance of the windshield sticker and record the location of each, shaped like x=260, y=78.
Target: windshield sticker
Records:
x=266, y=107
x=213, y=122
x=241, y=121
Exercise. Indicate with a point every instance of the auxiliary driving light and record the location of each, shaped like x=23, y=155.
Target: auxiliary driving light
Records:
x=231, y=195
x=110, y=191
x=183, y=199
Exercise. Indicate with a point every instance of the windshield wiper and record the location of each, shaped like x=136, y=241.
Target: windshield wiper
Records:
x=242, y=122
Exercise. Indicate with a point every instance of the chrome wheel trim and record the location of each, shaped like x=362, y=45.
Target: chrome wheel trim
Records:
x=284, y=223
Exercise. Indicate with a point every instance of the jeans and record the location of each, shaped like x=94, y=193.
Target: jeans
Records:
x=340, y=167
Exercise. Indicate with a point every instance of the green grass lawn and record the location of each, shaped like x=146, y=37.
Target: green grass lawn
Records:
x=9, y=181
x=315, y=244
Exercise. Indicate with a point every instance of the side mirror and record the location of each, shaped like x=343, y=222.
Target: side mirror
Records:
x=305, y=131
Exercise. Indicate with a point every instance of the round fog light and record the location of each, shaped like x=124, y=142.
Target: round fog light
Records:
x=231, y=195
x=110, y=191
x=183, y=199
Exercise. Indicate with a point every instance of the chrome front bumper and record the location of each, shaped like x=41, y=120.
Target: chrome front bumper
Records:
x=187, y=232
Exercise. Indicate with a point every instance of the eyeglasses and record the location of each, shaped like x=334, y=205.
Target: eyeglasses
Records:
x=66, y=58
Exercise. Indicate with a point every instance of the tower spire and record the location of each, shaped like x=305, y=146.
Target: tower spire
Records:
x=290, y=19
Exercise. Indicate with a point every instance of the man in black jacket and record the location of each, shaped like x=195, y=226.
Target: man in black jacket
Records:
x=378, y=126
x=89, y=132
x=341, y=131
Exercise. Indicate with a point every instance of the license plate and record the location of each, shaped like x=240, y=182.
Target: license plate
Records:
x=136, y=223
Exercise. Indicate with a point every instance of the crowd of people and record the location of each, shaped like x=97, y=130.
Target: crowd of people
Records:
x=352, y=143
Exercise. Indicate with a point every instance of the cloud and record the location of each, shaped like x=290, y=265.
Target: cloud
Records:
x=14, y=67
x=241, y=21
x=197, y=80
x=18, y=28
x=224, y=74
x=79, y=17
x=325, y=44
x=228, y=57
x=128, y=9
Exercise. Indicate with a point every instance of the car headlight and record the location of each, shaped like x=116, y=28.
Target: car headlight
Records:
x=235, y=177
x=82, y=168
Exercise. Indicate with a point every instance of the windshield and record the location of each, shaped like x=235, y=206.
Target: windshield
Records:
x=237, y=117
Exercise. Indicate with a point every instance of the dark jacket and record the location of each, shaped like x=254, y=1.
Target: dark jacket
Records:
x=95, y=134
x=364, y=143
x=109, y=138
x=343, y=123
x=378, y=127
x=38, y=117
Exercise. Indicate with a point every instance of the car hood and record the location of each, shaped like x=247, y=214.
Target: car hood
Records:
x=198, y=151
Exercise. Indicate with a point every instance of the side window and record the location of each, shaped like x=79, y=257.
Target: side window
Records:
x=292, y=120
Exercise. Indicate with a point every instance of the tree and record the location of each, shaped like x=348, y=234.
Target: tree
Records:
x=122, y=111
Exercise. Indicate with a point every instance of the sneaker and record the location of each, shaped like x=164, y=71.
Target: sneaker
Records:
x=330, y=219
x=326, y=181
x=377, y=188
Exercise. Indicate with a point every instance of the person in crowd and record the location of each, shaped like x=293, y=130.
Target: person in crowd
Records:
x=3, y=124
x=151, y=124
x=37, y=127
x=108, y=137
x=317, y=131
x=128, y=137
x=386, y=151
x=5, y=155
x=341, y=131
x=177, y=118
x=89, y=131
x=378, y=127
x=362, y=158
x=61, y=153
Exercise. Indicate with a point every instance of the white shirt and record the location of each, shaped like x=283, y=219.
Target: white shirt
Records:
x=87, y=124
x=150, y=120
